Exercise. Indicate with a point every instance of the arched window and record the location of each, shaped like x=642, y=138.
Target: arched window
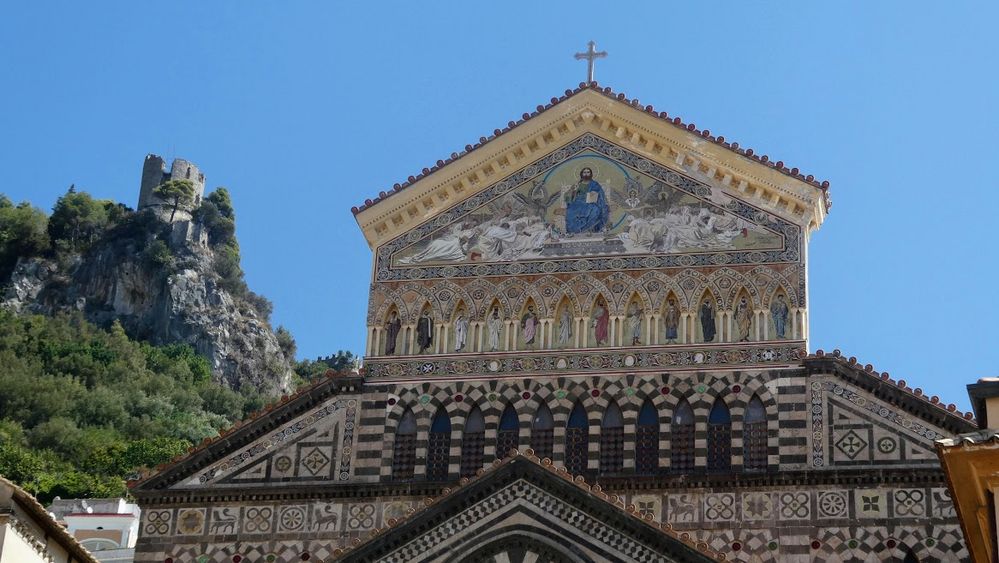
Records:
x=543, y=432
x=719, y=437
x=508, y=437
x=577, y=435
x=754, y=436
x=612, y=440
x=473, y=442
x=439, y=447
x=682, y=438
x=647, y=440
x=404, y=450
x=910, y=556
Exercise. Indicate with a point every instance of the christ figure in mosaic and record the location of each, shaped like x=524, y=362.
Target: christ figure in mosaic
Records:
x=671, y=321
x=424, y=331
x=586, y=206
x=494, y=324
x=529, y=326
x=392, y=328
x=601, y=322
x=708, y=320
x=743, y=319
x=778, y=312
x=564, y=328
x=460, y=330
x=635, y=324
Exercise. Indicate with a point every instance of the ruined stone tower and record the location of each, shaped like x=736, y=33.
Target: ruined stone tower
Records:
x=154, y=173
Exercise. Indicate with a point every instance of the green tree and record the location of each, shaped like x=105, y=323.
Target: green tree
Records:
x=286, y=341
x=23, y=234
x=179, y=192
x=77, y=220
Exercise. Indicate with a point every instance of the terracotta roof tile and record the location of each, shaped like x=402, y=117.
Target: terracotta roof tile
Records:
x=933, y=401
x=606, y=91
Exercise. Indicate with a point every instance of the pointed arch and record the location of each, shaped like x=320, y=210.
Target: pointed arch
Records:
x=404, y=448
x=577, y=437
x=682, y=438
x=647, y=439
x=508, y=434
x=473, y=443
x=719, y=437
x=543, y=432
x=612, y=440
x=754, y=436
x=439, y=446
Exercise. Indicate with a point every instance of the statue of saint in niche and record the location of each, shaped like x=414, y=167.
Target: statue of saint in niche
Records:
x=635, y=324
x=743, y=319
x=708, y=320
x=564, y=328
x=586, y=206
x=529, y=326
x=460, y=330
x=601, y=323
x=671, y=321
x=778, y=312
x=494, y=324
x=392, y=328
x=424, y=330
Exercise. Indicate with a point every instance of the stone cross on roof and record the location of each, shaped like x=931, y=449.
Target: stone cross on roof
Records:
x=590, y=55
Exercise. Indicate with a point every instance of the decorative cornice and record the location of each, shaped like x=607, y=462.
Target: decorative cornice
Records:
x=582, y=362
x=634, y=102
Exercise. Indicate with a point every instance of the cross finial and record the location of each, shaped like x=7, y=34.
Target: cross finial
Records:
x=590, y=55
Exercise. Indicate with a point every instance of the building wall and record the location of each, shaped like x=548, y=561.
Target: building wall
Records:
x=847, y=474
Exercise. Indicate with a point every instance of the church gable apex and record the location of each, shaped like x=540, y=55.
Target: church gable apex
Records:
x=597, y=110
x=520, y=505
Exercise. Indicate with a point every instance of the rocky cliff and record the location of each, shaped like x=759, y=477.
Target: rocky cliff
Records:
x=160, y=281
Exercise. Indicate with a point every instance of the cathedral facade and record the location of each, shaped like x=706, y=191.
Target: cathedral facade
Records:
x=587, y=341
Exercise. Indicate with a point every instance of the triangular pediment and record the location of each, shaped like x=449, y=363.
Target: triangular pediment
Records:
x=541, y=142
x=305, y=439
x=522, y=511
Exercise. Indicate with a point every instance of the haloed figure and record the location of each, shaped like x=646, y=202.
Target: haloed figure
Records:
x=495, y=325
x=743, y=319
x=635, y=324
x=392, y=328
x=564, y=328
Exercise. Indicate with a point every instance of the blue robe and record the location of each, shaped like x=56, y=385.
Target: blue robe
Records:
x=582, y=217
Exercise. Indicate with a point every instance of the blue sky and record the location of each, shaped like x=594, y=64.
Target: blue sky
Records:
x=303, y=109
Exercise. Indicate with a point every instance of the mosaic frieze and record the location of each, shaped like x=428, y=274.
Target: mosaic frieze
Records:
x=748, y=525
x=590, y=206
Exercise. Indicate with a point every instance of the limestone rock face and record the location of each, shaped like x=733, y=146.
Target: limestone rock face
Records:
x=182, y=302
